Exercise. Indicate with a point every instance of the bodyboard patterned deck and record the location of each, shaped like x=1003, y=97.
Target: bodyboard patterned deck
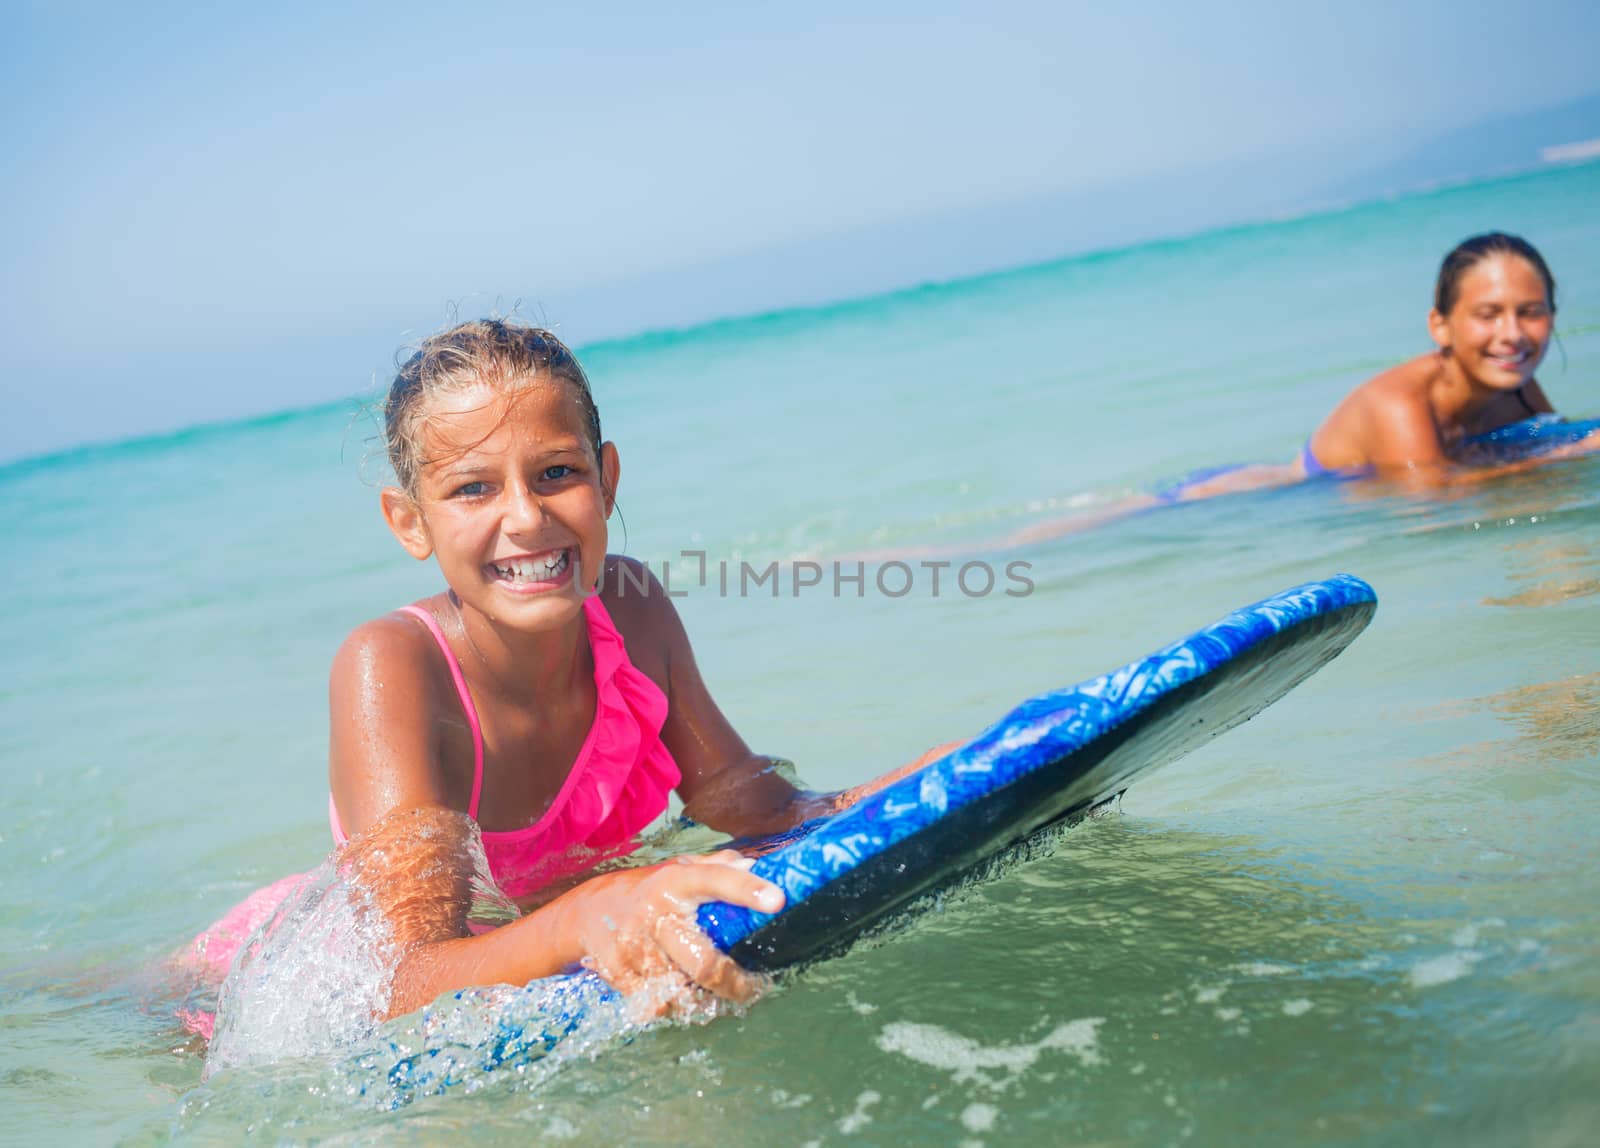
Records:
x=1054, y=757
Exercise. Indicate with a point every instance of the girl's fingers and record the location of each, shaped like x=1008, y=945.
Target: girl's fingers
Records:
x=659, y=941
x=690, y=885
x=706, y=966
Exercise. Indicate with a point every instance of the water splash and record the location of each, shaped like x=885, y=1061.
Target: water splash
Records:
x=317, y=975
x=315, y=981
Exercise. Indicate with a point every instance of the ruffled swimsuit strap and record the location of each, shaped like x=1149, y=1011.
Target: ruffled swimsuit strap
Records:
x=465, y=695
x=618, y=783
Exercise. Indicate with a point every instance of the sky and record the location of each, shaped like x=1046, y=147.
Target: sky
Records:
x=214, y=211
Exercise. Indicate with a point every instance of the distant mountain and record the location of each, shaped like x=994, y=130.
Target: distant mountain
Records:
x=1494, y=147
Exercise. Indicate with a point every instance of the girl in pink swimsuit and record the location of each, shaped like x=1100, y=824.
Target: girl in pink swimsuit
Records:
x=548, y=695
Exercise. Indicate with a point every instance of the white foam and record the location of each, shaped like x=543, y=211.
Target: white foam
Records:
x=1297, y=1007
x=1467, y=936
x=1443, y=969
x=968, y=1061
x=859, y=1007
x=560, y=1128
x=860, y=1118
x=979, y=1117
x=1264, y=969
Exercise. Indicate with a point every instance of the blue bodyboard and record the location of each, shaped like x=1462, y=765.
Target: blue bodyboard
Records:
x=1053, y=758
x=1049, y=761
x=1526, y=439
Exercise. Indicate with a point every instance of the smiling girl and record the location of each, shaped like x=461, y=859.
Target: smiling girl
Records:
x=1494, y=306
x=1493, y=312
x=547, y=700
x=1492, y=320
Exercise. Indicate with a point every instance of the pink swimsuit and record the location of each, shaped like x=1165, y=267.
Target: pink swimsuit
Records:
x=617, y=785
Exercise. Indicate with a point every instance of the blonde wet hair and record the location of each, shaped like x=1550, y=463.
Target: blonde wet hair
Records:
x=499, y=353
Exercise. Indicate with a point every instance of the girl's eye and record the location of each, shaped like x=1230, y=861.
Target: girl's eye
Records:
x=471, y=489
x=553, y=473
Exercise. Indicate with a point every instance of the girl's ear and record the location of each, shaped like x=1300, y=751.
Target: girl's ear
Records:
x=404, y=517
x=1439, y=329
x=610, y=472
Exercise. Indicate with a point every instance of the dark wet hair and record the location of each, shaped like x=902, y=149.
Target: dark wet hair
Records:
x=500, y=353
x=1470, y=252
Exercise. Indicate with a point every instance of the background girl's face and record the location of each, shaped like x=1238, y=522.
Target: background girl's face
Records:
x=1499, y=328
x=514, y=502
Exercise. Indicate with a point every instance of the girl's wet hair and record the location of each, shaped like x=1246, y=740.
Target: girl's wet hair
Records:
x=498, y=353
x=1470, y=252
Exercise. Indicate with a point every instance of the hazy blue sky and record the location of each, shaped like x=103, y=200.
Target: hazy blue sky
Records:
x=213, y=210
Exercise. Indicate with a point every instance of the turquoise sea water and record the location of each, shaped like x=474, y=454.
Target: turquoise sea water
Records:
x=1366, y=917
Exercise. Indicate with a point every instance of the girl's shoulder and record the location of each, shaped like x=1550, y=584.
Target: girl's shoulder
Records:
x=1405, y=382
x=388, y=690
x=398, y=646
x=1391, y=405
x=1395, y=400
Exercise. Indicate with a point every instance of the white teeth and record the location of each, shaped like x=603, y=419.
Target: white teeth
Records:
x=533, y=569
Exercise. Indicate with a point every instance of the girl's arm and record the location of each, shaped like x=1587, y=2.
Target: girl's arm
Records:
x=415, y=856
x=725, y=785
x=636, y=927
x=1456, y=475
x=1407, y=448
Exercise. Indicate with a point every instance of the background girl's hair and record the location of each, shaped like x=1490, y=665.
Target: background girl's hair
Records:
x=500, y=353
x=1470, y=252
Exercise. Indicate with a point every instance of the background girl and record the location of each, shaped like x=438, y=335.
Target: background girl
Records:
x=1492, y=321
x=1494, y=309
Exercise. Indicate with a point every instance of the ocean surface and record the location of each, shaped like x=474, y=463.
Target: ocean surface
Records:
x=1367, y=917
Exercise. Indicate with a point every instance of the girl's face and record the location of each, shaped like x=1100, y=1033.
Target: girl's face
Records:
x=1499, y=328
x=511, y=501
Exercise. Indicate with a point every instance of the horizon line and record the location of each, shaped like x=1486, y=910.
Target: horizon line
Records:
x=647, y=335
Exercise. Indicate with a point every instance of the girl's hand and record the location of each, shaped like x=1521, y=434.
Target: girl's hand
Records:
x=845, y=798
x=637, y=930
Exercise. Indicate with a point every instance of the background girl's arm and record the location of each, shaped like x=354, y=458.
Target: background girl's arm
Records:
x=416, y=857
x=1457, y=475
x=1407, y=448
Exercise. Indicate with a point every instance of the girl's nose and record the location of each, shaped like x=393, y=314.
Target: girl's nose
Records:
x=524, y=510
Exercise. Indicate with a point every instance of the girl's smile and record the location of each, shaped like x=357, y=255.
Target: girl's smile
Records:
x=533, y=573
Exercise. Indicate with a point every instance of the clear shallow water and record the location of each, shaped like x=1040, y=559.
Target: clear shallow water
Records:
x=1366, y=917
